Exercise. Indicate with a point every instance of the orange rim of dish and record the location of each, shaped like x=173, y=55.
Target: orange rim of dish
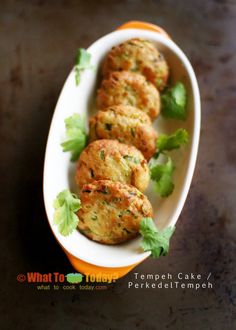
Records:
x=144, y=26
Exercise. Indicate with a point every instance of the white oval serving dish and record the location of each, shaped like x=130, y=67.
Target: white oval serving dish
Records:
x=59, y=171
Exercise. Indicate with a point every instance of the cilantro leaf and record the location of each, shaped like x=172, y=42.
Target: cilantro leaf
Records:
x=65, y=205
x=174, y=101
x=76, y=136
x=153, y=240
x=82, y=63
x=173, y=141
x=162, y=175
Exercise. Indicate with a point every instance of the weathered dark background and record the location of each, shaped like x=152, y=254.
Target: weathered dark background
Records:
x=38, y=42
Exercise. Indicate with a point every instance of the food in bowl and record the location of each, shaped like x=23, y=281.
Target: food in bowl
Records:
x=129, y=88
x=112, y=160
x=141, y=56
x=126, y=124
x=111, y=212
x=102, y=162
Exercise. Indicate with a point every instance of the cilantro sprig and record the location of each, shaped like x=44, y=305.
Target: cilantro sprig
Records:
x=154, y=240
x=76, y=137
x=173, y=141
x=66, y=205
x=174, y=102
x=162, y=174
x=82, y=63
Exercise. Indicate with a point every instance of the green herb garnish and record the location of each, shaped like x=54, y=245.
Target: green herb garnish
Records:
x=76, y=136
x=133, y=131
x=159, y=82
x=66, y=205
x=116, y=200
x=102, y=154
x=104, y=202
x=173, y=141
x=82, y=63
x=124, y=212
x=153, y=240
x=174, y=101
x=162, y=175
x=131, y=159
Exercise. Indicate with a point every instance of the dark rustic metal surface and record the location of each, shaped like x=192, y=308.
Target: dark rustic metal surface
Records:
x=38, y=42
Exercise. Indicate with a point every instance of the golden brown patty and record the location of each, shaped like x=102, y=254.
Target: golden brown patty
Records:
x=111, y=211
x=138, y=55
x=129, y=88
x=111, y=160
x=127, y=125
